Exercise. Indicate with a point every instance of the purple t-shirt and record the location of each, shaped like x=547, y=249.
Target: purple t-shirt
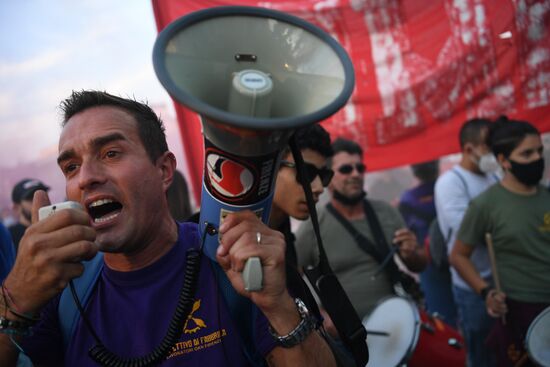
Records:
x=130, y=311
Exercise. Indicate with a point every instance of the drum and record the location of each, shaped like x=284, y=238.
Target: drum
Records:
x=537, y=340
x=398, y=334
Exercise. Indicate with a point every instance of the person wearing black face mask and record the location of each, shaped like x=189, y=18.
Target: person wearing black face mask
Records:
x=530, y=173
x=516, y=213
x=358, y=270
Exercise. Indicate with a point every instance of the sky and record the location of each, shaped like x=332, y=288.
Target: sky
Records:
x=49, y=48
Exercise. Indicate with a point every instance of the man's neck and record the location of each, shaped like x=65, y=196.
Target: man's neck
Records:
x=148, y=254
x=350, y=212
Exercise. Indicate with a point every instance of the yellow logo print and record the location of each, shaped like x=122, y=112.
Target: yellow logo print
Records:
x=194, y=323
x=546, y=223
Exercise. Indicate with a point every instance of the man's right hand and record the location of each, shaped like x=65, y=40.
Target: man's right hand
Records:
x=49, y=255
x=496, y=303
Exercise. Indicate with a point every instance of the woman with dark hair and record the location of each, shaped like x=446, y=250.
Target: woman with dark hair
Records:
x=516, y=214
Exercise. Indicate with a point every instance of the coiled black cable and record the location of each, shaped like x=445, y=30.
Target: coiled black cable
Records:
x=106, y=358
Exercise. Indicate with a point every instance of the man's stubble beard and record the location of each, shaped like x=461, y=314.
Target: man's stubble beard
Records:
x=348, y=200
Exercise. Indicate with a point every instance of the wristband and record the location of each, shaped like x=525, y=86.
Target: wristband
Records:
x=15, y=327
x=485, y=292
x=15, y=310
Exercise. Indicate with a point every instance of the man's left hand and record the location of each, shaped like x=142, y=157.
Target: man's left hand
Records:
x=239, y=242
x=406, y=240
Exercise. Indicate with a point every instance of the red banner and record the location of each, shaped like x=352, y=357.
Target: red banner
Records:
x=422, y=68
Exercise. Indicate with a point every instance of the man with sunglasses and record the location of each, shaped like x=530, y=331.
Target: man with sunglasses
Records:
x=358, y=270
x=289, y=199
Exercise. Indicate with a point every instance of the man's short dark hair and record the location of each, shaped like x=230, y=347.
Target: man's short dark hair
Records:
x=505, y=135
x=347, y=146
x=426, y=171
x=313, y=137
x=471, y=131
x=150, y=126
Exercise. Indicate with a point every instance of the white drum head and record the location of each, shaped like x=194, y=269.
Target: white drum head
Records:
x=538, y=339
x=398, y=317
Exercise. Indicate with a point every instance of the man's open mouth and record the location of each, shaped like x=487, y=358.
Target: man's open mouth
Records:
x=104, y=210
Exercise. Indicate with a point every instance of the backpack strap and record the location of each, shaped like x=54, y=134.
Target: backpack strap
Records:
x=463, y=180
x=461, y=177
x=243, y=313
x=67, y=311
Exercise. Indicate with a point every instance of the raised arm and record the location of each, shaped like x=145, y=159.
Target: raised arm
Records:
x=239, y=242
x=49, y=256
x=413, y=255
x=459, y=258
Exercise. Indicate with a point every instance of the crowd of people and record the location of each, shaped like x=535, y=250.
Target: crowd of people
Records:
x=152, y=298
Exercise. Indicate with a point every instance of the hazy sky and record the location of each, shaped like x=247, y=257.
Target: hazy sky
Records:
x=50, y=47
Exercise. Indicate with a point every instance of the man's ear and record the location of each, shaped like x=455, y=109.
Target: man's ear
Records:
x=166, y=164
x=503, y=162
x=468, y=148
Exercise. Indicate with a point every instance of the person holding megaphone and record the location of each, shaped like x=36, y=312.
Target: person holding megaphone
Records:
x=144, y=265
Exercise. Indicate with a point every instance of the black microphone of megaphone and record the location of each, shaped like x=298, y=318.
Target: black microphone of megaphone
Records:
x=254, y=75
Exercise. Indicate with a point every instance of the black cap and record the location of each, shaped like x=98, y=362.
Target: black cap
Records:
x=25, y=189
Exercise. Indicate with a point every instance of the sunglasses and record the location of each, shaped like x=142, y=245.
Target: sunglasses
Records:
x=346, y=169
x=311, y=171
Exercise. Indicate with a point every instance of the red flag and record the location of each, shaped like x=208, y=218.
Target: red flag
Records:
x=422, y=68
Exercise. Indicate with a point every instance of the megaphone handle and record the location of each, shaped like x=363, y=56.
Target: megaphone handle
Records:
x=253, y=275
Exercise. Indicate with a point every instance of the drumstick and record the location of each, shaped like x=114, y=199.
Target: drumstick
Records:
x=384, y=262
x=377, y=333
x=491, y=250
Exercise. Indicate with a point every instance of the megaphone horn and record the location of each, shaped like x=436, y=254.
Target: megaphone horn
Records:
x=254, y=75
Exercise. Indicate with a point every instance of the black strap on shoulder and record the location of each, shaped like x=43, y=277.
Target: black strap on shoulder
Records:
x=379, y=249
x=376, y=228
x=380, y=240
x=409, y=285
x=364, y=243
x=326, y=285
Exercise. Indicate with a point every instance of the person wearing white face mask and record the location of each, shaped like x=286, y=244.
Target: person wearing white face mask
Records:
x=487, y=163
x=453, y=192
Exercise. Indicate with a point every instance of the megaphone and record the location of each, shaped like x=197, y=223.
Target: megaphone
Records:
x=254, y=75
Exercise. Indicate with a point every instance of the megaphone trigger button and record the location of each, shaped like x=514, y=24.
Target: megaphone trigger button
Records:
x=210, y=229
